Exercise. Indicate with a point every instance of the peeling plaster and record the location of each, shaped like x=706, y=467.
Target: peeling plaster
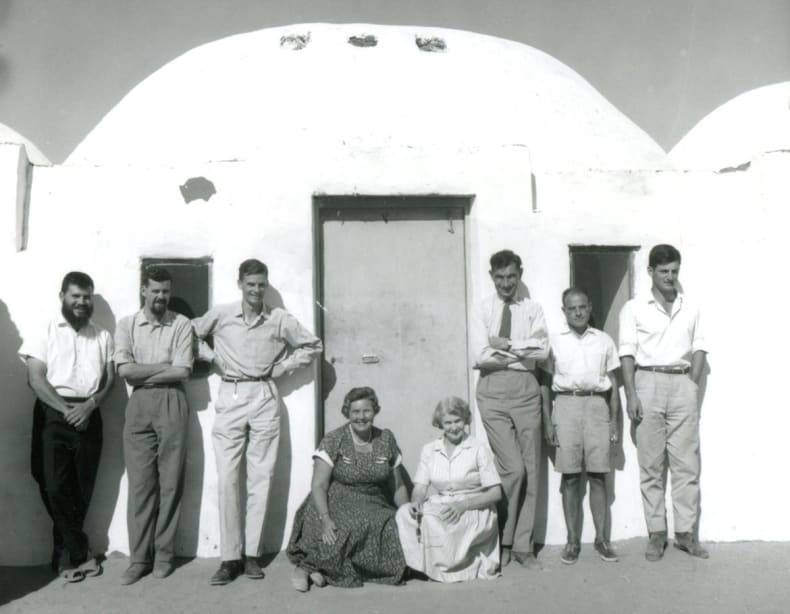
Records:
x=431, y=44
x=366, y=40
x=295, y=42
x=196, y=188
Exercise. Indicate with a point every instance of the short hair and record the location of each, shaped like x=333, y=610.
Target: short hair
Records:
x=663, y=254
x=451, y=406
x=76, y=278
x=505, y=258
x=360, y=394
x=575, y=290
x=155, y=273
x=252, y=266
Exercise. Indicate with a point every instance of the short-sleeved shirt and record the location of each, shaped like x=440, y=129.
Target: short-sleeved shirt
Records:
x=581, y=362
x=656, y=338
x=148, y=343
x=76, y=359
x=468, y=469
x=251, y=349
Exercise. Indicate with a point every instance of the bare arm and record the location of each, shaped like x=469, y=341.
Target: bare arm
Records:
x=136, y=374
x=37, y=380
x=322, y=476
x=698, y=361
x=452, y=512
x=399, y=493
x=614, y=408
x=547, y=398
x=633, y=404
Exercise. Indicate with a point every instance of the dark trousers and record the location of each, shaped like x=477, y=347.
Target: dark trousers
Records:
x=64, y=463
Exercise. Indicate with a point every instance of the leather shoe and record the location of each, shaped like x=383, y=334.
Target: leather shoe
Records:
x=606, y=552
x=689, y=545
x=252, y=569
x=570, y=553
x=134, y=572
x=228, y=571
x=299, y=579
x=162, y=569
x=527, y=560
x=656, y=546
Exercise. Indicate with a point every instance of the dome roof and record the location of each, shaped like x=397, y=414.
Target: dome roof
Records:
x=8, y=135
x=746, y=126
x=368, y=85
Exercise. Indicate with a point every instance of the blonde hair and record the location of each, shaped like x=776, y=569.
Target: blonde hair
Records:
x=451, y=406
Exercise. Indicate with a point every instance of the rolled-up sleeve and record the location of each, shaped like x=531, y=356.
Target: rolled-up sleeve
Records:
x=306, y=346
x=123, y=342
x=628, y=338
x=612, y=360
x=183, y=352
x=536, y=345
x=34, y=346
x=423, y=475
x=698, y=340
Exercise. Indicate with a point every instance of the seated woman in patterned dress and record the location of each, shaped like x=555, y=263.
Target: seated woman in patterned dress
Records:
x=452, y=535
x=344, y=533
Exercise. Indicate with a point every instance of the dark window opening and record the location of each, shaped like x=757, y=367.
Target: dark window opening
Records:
x=607, y=274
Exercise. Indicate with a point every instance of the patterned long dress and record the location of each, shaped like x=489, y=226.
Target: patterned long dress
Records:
x=367, y=548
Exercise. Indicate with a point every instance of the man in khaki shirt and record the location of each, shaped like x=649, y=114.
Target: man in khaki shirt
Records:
x=253, y=345
x=663, y=353
x=153, y=351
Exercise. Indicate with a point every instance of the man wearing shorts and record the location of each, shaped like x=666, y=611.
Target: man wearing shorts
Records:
x=581, y=404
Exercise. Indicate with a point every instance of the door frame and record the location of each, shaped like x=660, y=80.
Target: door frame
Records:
x=324, y=202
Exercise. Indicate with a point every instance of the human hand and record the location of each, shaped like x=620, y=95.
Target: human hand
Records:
x=550, y=434
x=329, y=534
x=634, y=408
x=79, y=414
x=613, y=435
x=415, y=509
x=499, y=343
x=451, y=512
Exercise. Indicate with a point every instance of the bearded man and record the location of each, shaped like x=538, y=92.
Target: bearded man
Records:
x=70, y=370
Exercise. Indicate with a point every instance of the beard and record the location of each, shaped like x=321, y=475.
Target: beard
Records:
x=159, y=308
x=76, y=321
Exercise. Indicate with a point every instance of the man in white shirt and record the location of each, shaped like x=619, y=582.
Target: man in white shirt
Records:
x=70, y=369
x=580, y=417
x=663, y=353
x=508, y=339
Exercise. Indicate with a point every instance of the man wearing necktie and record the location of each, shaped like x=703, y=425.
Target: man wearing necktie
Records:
x=509, y=338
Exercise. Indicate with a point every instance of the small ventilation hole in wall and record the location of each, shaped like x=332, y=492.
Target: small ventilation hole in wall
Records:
x=366, y=40
x=294, y=42
x=431, y=44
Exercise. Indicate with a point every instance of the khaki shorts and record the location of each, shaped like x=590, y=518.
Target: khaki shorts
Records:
x=582, y=427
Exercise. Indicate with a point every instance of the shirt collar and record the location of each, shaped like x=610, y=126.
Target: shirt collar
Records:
x=61, y=321
x=167, y=319
x=438, y=444
x=239, y=311
x=677, y=304
x=567, y=330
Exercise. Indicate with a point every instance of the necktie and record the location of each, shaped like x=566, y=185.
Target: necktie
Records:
x=504, y=327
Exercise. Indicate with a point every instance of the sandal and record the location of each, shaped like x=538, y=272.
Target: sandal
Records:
x=299, y=580
x=72, y=574
x=91, y=567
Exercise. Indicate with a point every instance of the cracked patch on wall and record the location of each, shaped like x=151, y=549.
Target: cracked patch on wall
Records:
x=196, y=188
x=366, y=40
x=294, y=42
x=734, y=169
x=430, y=44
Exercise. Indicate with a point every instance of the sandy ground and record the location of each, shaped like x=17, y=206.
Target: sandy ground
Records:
x=750, y=578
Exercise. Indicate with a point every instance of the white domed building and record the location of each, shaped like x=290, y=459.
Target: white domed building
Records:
x=374, y=169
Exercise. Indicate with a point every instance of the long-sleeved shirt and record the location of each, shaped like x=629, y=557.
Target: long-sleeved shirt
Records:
x=656, y=338
x=529, y=335
x=251, y=350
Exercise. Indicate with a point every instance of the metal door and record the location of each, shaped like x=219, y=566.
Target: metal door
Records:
x=393, y=297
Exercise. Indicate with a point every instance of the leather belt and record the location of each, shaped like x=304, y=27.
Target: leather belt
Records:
x=667, y=370
x=584, y=393
x=240, y=380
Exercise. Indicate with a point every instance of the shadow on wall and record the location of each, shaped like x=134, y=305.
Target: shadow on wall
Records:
x=111, y=465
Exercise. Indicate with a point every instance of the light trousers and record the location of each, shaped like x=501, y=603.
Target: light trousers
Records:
x=668, y=437
x=509, y=404
x=247, y=426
